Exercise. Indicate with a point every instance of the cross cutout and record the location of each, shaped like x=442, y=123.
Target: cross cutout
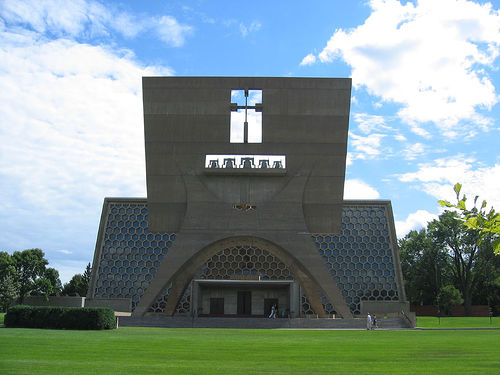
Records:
x=235, y=107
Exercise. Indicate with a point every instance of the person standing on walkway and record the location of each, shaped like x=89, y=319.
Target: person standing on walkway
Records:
x=368, y=321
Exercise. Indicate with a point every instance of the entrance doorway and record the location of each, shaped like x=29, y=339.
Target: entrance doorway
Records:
x=217, y=306
x=244, y=303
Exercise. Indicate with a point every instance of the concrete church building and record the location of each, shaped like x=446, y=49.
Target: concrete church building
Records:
x=245, y=208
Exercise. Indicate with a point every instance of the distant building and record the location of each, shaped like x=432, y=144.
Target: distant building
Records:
x=244, y=207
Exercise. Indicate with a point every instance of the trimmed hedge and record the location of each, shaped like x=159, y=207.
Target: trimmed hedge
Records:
x=60, y=317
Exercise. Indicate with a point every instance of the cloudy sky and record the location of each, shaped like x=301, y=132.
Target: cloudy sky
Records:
x=424, y=111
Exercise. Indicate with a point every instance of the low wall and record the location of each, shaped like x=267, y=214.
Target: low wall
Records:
x=384, y=307
x=430, y=310
x=117, y=304
x=64, y=301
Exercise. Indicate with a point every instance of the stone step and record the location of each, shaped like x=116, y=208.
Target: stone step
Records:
x=256, y=323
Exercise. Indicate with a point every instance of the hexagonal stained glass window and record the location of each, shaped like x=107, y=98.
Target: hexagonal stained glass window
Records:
x=124, y=234
x=360, y=254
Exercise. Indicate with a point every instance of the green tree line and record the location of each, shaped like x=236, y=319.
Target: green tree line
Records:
x=452, y=261
x=25, y=273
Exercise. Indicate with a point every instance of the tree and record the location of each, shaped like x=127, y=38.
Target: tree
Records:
x=6, y=264
x=9, y=287
x=47, y=284
x=30, y=266
x=424, y=266
x=449, y=296
x=486, y=290
x=9, y=291
x=78, y=284
x=87, y=274
x=486, y=224
x=463, y=249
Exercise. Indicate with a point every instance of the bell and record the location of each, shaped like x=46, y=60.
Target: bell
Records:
x=264, y=163
x=229, y=163
x=214, y=164
x=277, y=164
x=247, y=163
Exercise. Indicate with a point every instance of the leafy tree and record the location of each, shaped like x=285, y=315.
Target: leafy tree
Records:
x=486, y=224
x=463, y=249
x=9, y=291
x=486, y=290
x=424, y=266
x=48, y=284
x=449, y=296
x=78, y=284
x=30, y=266
x=53, y=276
x=9, y=286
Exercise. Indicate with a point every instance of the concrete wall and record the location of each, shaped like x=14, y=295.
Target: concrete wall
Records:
x=117, y=304
x=384, y=307
x=186, y=118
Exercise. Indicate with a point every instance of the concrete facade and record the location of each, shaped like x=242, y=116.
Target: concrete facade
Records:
x=240, y=226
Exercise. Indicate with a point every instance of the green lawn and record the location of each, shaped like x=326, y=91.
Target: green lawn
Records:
x=227, y=351
x=457, y=322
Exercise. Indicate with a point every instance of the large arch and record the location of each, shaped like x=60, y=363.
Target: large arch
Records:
x=306, y=280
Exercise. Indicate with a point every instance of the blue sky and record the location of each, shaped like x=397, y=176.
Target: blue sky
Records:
x=424, y=111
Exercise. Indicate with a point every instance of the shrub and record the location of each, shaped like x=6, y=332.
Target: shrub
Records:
x=449, y=296
x=60, y=317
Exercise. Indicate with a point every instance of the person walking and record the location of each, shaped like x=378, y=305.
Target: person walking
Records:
x=273, y=312
x=369, y=321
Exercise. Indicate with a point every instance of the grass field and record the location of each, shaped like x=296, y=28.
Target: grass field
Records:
x=226, y=351
x=457, y=322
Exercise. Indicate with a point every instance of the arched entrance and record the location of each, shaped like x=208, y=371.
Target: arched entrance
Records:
x=241, y=280
x=240, y=276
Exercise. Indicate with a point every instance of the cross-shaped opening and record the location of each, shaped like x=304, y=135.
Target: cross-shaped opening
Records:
x=246, y=116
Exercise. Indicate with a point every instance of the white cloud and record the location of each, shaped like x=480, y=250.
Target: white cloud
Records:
x=415, y=221
x=437, y=179
x=71, y=134
x=367, y=124
x=413, y=151
x=400, y=138
x=419, y=130
x=171, y=31
x=253, y=27
x=430, y=56
x=88, y=20
x=367, y=147
x=349, y=159
x=357, y=189
x=308, y=60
